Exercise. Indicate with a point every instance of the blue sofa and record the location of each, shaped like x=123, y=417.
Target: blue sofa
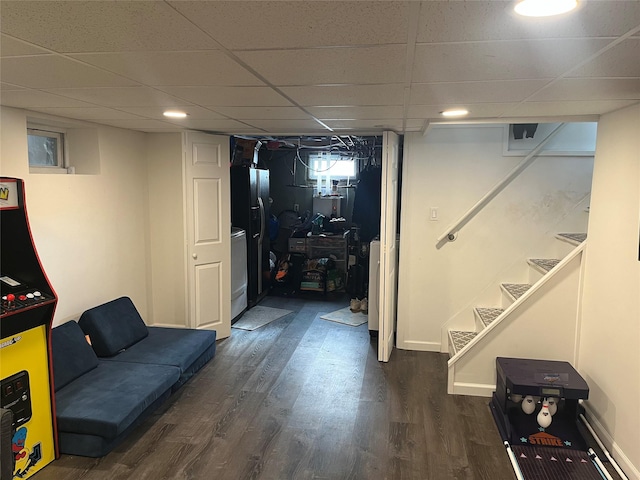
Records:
x=104, y=390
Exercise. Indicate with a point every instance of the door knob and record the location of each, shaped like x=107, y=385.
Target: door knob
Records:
x=195, y=256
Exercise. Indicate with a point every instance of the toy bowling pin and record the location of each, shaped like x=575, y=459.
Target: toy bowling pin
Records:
x=515, y=398
x=553, y=405
x=528, y=404
x=544, y=416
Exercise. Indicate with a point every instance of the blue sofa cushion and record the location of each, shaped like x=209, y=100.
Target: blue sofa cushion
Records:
x=95, y=446
x=113, y=326
x=169, y=346
x=108, y=399
x=72, y=355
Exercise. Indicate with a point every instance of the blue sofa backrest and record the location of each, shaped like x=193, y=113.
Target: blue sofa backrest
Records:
x=72, y=355
x=113, y=326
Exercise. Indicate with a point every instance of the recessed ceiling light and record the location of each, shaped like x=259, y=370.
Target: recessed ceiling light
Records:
x=174, y=114
x=544, y=8
x=455, y=113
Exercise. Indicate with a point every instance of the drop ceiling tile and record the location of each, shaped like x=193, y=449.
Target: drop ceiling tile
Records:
x=139, y=124
x=513, y=60
x=345, y=95
x=193, y=111
x=622, y=60
x=442, y=21
x=378, y=124
x=479, y=110
x=357, y=112
x=121, y=96
x=169, y=129
x=362, y=65
x=319, y=130
x=12, y=47
x=53, y=71
x=294, y=24
x=377, y=127
x=474, y=92
x=89, y=113
x=561, y=108
x=414, y=125
x=73, y=27
x=229, y=96
x=247, y=131
x=287, y=125
x=34, y=98
x=174, y=68
x=590, y=89
x=215, y=125
x=263, y=113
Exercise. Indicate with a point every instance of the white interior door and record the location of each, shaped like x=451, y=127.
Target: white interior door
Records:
x=388, y=245
x=208, y=231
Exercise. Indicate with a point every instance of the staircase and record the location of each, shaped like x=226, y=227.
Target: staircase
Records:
x=524, y=324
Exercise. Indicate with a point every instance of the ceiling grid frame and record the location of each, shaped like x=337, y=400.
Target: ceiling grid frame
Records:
x=478, y=55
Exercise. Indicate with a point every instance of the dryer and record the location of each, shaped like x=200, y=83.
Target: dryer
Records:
x=238, y=273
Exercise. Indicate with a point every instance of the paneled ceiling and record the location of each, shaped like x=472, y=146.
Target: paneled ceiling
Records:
x=315, y=67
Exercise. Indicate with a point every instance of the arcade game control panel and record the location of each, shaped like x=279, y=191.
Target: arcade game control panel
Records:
x=16, y=295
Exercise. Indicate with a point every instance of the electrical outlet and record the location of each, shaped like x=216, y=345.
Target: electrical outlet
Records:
x=296, y=207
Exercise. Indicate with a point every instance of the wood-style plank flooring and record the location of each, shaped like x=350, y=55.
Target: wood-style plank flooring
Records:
x=304, y=398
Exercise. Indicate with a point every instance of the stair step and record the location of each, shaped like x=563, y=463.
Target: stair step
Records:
x=459, y=339
x=516, y=290
x=487, y=314
x=543, y=264
x=572, y=238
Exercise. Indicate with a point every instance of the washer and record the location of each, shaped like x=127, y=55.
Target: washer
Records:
x=238, y=273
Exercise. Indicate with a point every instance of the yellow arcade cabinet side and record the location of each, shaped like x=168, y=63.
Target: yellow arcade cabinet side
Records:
x=26, y=313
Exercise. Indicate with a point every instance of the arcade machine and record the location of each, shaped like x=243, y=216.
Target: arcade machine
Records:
x=26, y=313
x=536, y=407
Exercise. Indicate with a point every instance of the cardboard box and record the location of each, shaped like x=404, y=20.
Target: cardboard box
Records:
x=313, y=281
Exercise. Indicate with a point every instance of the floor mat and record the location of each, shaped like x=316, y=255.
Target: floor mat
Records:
x=551, y=463
x=346, y=316
x=259, y=316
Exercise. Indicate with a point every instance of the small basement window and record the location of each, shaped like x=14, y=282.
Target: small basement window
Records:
x=46, y=149
x=332, y=165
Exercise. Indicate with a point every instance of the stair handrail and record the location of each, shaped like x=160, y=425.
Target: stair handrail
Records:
x=451, y=231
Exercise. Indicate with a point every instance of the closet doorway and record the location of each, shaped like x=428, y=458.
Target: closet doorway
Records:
x=332, y=196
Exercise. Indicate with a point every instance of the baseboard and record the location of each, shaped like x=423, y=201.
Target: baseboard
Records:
x=473, y=389
x=167, y=325
x=419, y=346
x=614, y=449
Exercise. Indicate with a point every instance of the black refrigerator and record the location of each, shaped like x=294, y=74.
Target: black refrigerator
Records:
x=250, y=211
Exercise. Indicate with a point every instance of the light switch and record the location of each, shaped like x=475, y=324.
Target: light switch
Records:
x=433, y=214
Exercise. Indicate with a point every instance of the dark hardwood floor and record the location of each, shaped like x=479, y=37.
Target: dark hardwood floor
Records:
x=304, y=398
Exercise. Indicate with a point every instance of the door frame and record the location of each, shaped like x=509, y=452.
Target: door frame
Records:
x=222, y=325
x=390, y=193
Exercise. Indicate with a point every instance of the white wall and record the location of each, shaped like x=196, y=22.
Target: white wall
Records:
x=609, y=357
x=89, y=230
x=451, y=169
x=166, y=226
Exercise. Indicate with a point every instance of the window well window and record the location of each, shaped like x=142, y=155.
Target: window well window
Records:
x=332, y=165
x=46, y=148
